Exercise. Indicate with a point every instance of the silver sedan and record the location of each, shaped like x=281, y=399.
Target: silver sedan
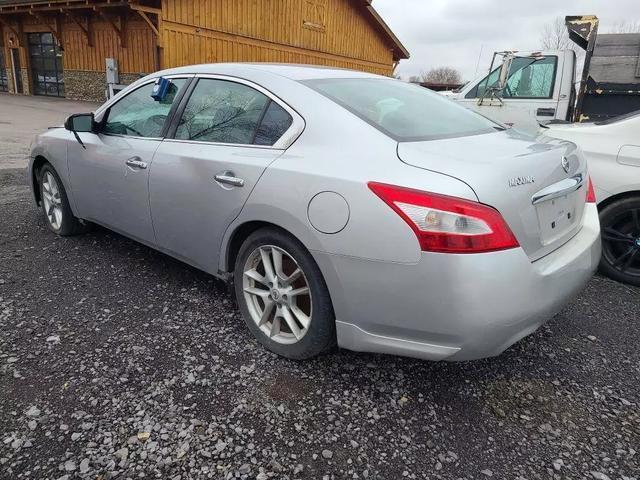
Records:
x=347, y=208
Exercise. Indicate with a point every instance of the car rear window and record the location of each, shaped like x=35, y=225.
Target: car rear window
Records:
x=403, y=111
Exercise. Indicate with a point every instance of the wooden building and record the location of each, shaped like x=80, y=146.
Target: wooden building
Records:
x=60, y=47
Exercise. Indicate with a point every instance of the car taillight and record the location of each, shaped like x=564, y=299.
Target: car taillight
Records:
x=448, y=224
x=591, y=194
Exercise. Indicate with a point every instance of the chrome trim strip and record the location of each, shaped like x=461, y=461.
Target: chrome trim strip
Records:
x=200, y=142
x=559, y=189
x=133, y=137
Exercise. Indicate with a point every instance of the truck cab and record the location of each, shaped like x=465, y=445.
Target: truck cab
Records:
x=525, y=88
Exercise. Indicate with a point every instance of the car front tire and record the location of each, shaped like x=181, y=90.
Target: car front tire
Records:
x=55, y=204
x=282, y=295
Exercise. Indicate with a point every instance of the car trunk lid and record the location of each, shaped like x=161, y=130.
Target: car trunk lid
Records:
x=539, y=187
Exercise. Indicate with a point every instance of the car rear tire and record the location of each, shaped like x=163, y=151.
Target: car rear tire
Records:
x=55, y=204
x=620, y=223
x=282, y=295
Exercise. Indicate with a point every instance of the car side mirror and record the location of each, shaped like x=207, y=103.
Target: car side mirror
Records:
x=81, y=122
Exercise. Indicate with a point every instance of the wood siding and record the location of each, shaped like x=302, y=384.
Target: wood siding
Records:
x=326, y=32
x=138, y=57
x=337, y=33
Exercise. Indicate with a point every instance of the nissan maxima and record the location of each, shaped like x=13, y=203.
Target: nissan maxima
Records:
x=347, y=209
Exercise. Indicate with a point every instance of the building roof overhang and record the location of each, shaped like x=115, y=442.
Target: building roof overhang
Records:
x=8, y=7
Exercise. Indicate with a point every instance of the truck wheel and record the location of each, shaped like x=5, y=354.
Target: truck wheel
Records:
x=620, y=223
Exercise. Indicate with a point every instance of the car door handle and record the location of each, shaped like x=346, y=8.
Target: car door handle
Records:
x=227, y=178
x=546, y=112
x=135, y=162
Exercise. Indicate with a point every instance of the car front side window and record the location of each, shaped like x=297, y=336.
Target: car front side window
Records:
x=139, y=115
x=222, y=111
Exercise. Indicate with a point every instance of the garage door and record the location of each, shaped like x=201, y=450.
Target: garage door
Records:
x=4, y=81
x=46, y=65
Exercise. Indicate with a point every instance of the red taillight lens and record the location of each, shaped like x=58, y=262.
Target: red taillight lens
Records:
x=591, y=193
x=448, y=224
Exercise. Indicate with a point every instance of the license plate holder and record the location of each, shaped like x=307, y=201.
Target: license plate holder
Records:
x=556, y=217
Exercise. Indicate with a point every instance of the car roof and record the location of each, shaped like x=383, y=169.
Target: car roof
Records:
x=291, y=71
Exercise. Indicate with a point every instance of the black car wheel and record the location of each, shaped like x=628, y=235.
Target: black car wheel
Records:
x=620, y=223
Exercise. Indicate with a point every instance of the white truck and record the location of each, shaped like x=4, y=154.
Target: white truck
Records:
x=524, y=89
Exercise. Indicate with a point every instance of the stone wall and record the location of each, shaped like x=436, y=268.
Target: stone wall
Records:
x=10, y=80
x=91, y=86
x=128, y=78
x=26, y=84
x=81, y=85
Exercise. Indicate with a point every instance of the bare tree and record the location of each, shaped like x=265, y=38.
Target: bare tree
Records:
x=445, y=75
x=555, y=36
x=625, y=26
x=415, y=79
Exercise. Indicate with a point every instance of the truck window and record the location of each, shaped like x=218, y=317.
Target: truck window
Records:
x=528, y=78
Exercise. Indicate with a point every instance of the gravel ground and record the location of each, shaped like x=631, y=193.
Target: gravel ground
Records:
x=117, y=361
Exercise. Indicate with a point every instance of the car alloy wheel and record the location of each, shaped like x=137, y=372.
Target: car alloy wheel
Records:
x=52, y=201
x=621, y=242
x=277, y=294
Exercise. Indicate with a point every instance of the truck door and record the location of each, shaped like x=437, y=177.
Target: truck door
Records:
x=532, y=92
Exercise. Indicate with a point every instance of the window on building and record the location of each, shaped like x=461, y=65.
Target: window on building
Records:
x=46, y=65
x=139, y=115
x=4, y=81
x=221, y=111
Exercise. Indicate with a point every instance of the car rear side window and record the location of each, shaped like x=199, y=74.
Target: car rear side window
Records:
x=275, y=123
x=222, y=111
x=403, y=111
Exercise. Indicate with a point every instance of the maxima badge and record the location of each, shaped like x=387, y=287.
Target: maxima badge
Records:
x=517, y=181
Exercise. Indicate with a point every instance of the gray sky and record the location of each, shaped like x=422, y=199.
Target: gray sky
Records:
x=452, y=32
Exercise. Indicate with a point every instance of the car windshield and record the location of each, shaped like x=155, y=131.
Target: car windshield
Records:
x=403, y=111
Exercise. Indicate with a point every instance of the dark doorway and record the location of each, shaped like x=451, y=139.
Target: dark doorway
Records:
x=46, y=65
x=4, y=81
x=17, y=70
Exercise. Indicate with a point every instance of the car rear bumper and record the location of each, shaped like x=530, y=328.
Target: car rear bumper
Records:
x=456, y=307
